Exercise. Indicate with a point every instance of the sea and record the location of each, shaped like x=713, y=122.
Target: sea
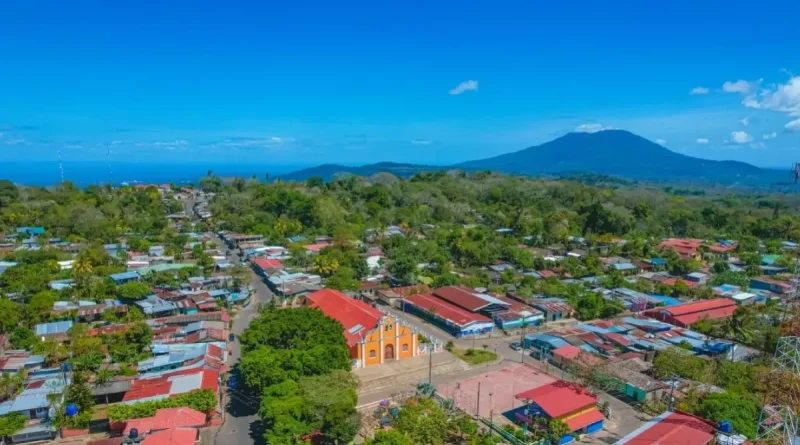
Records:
x=83, y=174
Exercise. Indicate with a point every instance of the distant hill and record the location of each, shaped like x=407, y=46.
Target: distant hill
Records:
x=619, y=153
x=612, y=152
x=328, y=171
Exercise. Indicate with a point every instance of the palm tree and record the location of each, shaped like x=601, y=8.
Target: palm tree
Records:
x=104, y=376
x=82, y=266
x=740, y=326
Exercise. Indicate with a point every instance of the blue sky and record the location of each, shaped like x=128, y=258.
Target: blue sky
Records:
x=357, y=82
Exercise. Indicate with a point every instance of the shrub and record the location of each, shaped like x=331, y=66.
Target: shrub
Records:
x=204, y=400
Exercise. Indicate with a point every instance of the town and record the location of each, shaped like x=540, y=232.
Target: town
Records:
x=445, y=308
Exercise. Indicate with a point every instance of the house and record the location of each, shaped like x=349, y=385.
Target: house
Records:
x=769, y=284
x=57, y=329
x=697, y=277
x=170, y=384
x=685, y=248
x=33, y=401
x=566, y=401
x=155, y=306
x=516, y=314
x=744, y=298
x=553, y=309
x=686, y=314
x=166, y=419
x=372, y=337
x=672, y=427
x=124, y=277
x=31, y=231
x=453, y=319
x=265, y=266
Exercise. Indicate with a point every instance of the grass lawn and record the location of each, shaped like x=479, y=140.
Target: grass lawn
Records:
x=474, y=356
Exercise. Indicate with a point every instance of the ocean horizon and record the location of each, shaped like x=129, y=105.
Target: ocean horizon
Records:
x=83, y=174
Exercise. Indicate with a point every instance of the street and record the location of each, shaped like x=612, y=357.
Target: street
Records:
x=242, y=424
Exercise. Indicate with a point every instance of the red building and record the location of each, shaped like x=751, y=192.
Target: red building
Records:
x=686, y=314
x=672, y=428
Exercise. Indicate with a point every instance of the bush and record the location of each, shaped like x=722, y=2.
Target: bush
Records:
x=204, y=400
x=449, y=345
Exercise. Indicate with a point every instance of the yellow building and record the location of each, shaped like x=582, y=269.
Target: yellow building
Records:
x=372, y=336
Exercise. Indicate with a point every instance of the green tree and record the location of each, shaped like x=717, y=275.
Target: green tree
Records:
x=423, y=420
x=133, y=290
x=343, y=280
x=11, y=422
x=390, y=437
x=742, y=411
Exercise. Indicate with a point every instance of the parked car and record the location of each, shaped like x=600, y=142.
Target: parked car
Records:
x=516, y=345
x=231, y=336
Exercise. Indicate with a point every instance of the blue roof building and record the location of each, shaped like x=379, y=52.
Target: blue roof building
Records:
x=55, y=328
x=124, y=277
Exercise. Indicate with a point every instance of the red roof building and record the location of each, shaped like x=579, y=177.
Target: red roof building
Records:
x=686, y=314
x=347, y=311
x=567, y=401
x=446, y=311
x=462, y=297
x=686, y=248
x=672, y=428
x=174, y=436
x=372, y=337
x=167, y=418
x=266, y=264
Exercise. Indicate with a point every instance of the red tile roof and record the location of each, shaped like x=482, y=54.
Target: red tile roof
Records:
x=583, y=420
x=568, y=352
x=559, y=398
x=714, y=314
x=347, y=311
x=175, y=436
x=618, y=339
x=264, y=263
x=167, y=418
x=445, y=310
x=145, y=389
x=674, y=281
x=316, y=247
x=462, y=297
x=698, y=306
x=672, y=428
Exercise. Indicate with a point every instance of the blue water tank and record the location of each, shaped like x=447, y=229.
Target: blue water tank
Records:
x=725, y=426
x=71, y=410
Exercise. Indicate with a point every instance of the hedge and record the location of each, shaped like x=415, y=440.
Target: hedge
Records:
x=204, y=400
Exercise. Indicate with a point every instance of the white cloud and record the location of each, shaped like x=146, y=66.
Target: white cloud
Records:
x=699, y=90
x=592, y=128
x=781, y=97
x=702, y=140
x=739, y=137
x=793, y=125
x=758, y=145
x=176, y=143
x=741, y=86
x=661, y=141
x=768, y=136
x=421, y=142
x=745, y=121
x=467, y=85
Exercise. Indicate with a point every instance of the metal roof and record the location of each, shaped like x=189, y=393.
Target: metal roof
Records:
x=55, y=328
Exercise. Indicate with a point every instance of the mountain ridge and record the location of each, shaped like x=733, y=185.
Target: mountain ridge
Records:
x=609, y=152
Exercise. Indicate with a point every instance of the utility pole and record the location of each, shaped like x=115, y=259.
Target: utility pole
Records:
x=478, y=407
x=430, y=363
x=491, y=414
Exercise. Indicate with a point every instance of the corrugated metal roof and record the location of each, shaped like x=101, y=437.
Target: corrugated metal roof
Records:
x=55, y=328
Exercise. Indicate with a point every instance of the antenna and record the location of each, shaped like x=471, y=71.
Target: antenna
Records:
x=110, y=174
x=60, y=165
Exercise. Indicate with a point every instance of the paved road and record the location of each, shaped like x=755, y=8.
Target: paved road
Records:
x=242, y=424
